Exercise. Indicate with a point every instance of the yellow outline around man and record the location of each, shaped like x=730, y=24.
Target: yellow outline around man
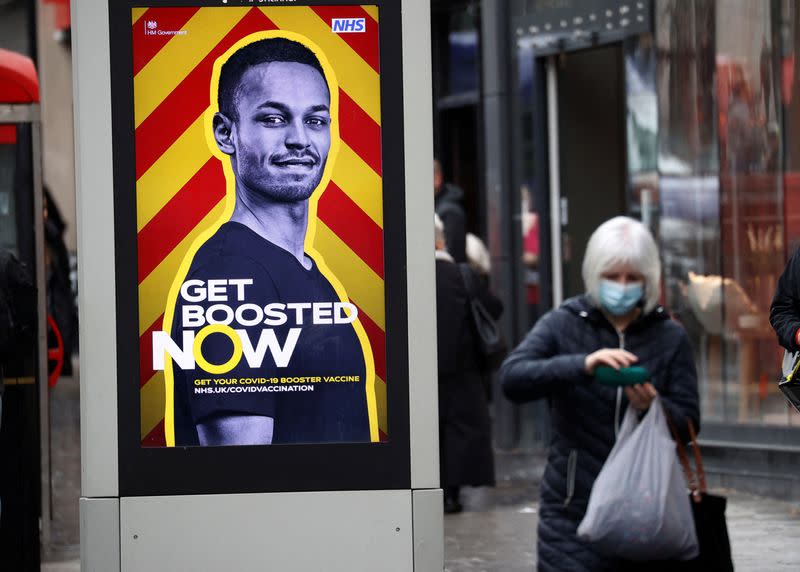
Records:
x=304, y=371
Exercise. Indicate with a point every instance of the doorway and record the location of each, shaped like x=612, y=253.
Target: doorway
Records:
x=589, y=188
x=460, y=153
x=592, y=151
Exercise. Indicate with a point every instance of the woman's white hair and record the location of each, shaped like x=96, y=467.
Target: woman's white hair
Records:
x=622, y=240
x=478, y=255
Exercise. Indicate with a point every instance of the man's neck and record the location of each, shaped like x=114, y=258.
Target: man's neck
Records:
x=282, y=224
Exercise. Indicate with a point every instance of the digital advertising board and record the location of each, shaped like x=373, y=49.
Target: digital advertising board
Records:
x=260, y=286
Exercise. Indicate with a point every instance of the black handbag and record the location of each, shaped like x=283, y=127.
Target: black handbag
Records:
x=492, y=347
x=709, y=515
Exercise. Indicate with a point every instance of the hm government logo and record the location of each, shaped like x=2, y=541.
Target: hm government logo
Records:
x=348, y=25
x=151, y=29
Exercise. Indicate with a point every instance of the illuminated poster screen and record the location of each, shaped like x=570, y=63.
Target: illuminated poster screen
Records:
x=259, y=208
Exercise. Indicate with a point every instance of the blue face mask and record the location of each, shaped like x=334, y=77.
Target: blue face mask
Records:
x=619, y=299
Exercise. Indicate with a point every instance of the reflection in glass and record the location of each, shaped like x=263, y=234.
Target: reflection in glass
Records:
x=721, y=209
x=463, y=57
x=8, y=215
x=751, y=196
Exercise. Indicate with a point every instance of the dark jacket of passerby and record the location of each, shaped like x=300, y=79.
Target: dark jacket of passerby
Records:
x=17, y=313
x=447, y=204
x=549, y=363
x=464, y=430
x=784, y=313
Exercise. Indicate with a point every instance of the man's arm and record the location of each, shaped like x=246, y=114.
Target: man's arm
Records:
x=226, y=419
x=236, y=430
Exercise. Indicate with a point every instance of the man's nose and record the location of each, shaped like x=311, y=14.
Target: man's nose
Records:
x=296, y=136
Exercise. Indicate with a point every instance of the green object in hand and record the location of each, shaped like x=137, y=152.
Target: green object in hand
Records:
x=624, y=376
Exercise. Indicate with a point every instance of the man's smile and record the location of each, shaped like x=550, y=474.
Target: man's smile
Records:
x=295, y=163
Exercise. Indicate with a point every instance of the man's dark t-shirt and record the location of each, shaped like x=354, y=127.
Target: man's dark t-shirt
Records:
x=329, y=411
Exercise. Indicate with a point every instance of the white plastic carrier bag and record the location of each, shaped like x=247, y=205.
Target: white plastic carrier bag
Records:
x=639, y=508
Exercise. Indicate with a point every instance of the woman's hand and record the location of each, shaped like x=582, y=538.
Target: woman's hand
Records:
x=611, y=357
x=641, y=396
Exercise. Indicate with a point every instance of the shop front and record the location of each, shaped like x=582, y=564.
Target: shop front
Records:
x=682, y=114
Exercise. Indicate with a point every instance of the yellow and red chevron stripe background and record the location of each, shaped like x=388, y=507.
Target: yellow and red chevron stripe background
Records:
x=180, y=185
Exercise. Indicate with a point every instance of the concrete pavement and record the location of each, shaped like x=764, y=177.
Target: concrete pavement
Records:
x=496, y=532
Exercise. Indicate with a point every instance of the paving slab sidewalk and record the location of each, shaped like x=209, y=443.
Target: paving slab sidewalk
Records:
x=497, y=531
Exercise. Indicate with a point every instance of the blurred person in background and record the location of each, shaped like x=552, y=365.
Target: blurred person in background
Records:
x=530, y=254
x=60, y=300
x=465, y=443
x=447, y=199
x=17, y=318
x=617, y=323
x=480, y=263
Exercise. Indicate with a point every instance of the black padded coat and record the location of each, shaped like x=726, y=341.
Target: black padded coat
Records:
x=550, y=363
x=784, y=313
x=465, y=439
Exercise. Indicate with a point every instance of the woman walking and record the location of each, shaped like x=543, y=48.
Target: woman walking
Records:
x=465, y=443
x=617, y=323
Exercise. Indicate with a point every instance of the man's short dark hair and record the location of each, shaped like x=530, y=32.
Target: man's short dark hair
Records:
x=259, y=52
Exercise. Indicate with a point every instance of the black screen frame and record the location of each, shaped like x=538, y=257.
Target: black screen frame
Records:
x=150, y=471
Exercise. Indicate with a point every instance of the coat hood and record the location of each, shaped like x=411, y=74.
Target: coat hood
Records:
x=449, y=194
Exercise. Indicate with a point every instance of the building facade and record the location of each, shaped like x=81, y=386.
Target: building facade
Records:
x=680, y=113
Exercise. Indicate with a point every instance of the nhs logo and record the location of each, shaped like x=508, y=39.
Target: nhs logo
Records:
x=348, y=25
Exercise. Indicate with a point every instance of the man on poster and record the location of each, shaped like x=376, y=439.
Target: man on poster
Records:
x=303, y=373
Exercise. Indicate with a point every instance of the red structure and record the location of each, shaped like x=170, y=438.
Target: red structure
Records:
x=18, y=85
x=18, y=80
x=62, y=14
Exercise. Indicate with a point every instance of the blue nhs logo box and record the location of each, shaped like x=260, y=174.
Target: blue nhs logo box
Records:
x=348, y=25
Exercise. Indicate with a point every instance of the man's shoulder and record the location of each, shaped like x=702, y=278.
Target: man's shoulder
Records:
x=447, y=268
x=447, y=208
x=229, y=250
x=449, y=277
x=453, y=192
x=224, y=240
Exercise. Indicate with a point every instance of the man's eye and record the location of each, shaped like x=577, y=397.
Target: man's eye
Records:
x=317, y=121
x=272, y=120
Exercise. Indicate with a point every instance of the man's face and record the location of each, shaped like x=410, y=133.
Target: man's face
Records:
x=282, y=136
x=437, y=178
